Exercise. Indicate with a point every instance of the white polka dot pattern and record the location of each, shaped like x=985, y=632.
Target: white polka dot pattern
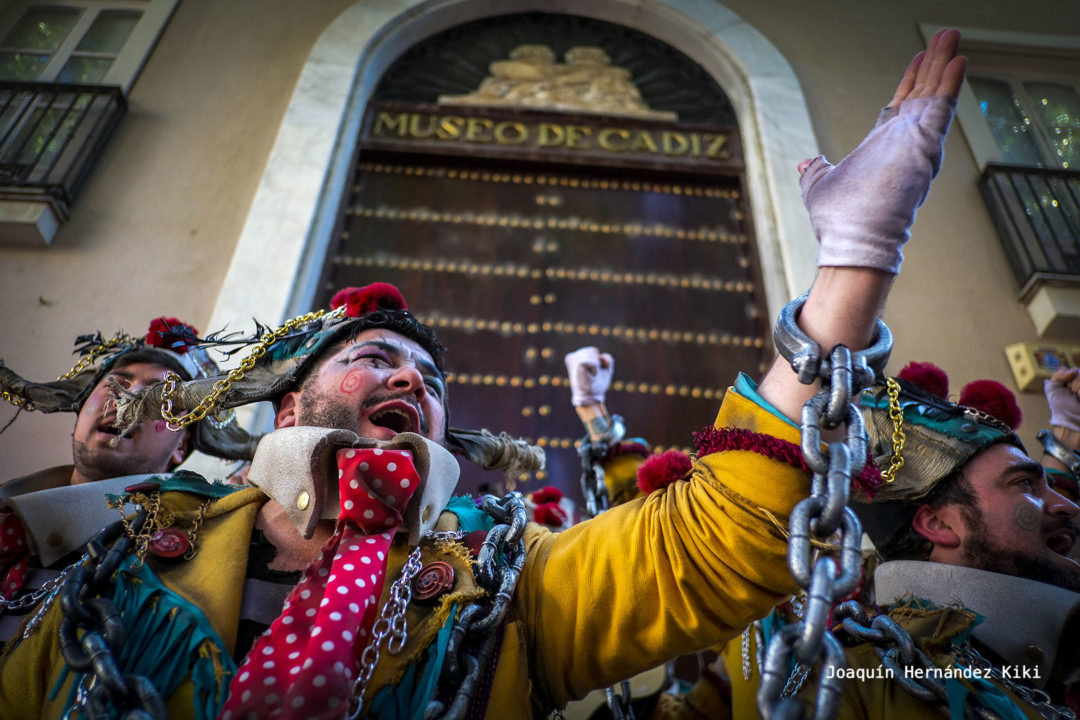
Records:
x=308, y=651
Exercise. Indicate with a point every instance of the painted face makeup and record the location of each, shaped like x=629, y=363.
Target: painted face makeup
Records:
x=97, y=450
x=378, y=385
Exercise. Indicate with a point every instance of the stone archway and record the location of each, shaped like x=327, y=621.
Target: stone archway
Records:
x=277, y=259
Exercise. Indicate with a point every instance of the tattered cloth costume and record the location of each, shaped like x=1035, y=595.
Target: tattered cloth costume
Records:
x=44, y=521
x=670, y=573
x=1011, y=621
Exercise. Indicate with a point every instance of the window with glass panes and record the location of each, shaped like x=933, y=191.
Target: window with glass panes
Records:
x=67, y=43
x=1030, y=100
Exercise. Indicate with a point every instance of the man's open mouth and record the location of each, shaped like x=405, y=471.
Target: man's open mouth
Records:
x=399, y=417
x=109, y=428
x=1061, y=541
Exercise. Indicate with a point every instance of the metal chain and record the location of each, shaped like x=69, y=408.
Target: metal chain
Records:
x=798, y=673
x=1057, y=450
x=95, y=353
x=92, y=632
x=208, y=403
x=32, y=598
x=822, y=515
x=619, y=702
x=1037, y=699
x=391, y=623
x=907, y=665
x=594, y=489
x=592, y=453
x=747, y=669
x=475, y=631
x=17, y=401
x=899, y=438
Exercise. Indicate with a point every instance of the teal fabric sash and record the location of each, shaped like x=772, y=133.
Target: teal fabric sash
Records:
x=168, y=638
x=409, y=698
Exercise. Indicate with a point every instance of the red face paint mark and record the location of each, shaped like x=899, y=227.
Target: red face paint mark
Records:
x=159, y=426
x=352, y=381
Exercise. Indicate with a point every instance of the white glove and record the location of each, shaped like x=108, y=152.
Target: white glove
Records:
x=1061, y=396
x=862, y=208
x=590, y=375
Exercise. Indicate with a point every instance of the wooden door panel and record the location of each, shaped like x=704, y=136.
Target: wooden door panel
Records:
x=515, y=265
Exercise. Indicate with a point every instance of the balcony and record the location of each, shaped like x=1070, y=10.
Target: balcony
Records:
x=1037, y=215
x=50, y=137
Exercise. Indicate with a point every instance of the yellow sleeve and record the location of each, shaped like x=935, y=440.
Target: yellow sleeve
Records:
x=677, y=571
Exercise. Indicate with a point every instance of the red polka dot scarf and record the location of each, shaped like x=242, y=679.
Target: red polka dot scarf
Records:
x=14, y=555
x=303, y=667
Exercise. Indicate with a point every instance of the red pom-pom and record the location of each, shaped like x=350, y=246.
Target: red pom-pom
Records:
x=550, y=514
x=659, y=471
x=546, y=494
x=361, y=301
x=927, y=376
x=992, y=398
x=171, y=334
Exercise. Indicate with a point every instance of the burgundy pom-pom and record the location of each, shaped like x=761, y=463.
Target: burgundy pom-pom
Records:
x=927, y=376
x=659, y=471
x=361, y=301
x=171, y=334
x=992, y=398
x=546, y=494
x=550, y=514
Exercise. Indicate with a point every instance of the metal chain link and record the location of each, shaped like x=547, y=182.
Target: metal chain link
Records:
x=592, y=453
x=95, y=353
x=907, y=665
x=32, y=598
x=899, y=438
x=619, y=702
x=473, y=636
x=822, y=515
x=83, y=363
x=594, y=489
x=92, y=632
x=208, y=403
x=391, y=623
x=17, y=401
x=1037, y=699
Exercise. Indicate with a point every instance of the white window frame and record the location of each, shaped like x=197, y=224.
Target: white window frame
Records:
x=1039, y=133
x=969, y=117
x=129, y=61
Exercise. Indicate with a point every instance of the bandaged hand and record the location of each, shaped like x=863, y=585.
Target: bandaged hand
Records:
x=862, y=208
x=590, y=375
x=1062, y=396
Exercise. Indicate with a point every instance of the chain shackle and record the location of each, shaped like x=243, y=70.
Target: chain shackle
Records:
x=821, y=517
x=805, y=357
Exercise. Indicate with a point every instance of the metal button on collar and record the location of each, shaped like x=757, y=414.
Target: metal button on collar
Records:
x=303, y=500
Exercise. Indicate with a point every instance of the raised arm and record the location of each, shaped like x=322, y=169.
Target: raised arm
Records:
x=861, y=210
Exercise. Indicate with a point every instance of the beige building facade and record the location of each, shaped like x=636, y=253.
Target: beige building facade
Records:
x=216, y=198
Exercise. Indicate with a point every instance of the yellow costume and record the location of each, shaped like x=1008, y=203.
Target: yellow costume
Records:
x=663, y=575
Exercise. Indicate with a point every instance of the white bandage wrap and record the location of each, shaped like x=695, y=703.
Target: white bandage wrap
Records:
x=862, y=208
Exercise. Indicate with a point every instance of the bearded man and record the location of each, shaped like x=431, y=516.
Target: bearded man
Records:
x=400, y=600
x=50, y=514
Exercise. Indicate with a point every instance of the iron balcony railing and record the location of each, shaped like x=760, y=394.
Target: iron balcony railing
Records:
x=51, y=134
x=1037, y=214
